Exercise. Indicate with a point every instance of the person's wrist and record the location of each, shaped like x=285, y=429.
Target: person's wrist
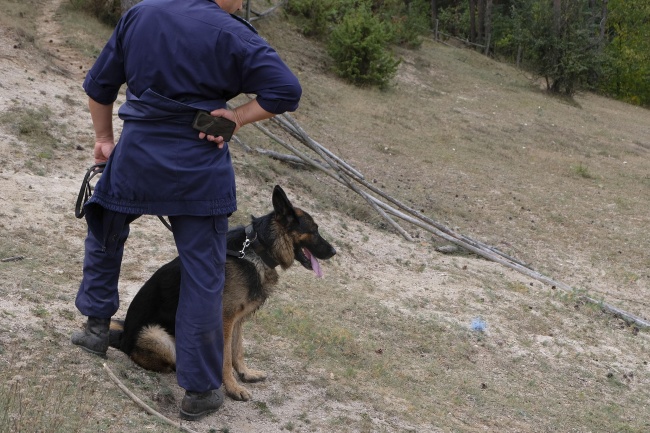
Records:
x=239, y=118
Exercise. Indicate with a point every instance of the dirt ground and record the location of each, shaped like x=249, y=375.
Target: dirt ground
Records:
x=412, y=280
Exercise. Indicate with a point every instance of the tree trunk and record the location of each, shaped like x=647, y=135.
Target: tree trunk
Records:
x=434, y=13
x=248, y=10
x=557, y=16
x=481, y=22
x=488, y=25
x=472, y=20
x=603, y=23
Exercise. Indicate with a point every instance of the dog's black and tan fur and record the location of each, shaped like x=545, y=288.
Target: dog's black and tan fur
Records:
x=284, y=235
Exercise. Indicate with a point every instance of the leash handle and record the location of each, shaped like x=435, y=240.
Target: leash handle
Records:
x=86, y=191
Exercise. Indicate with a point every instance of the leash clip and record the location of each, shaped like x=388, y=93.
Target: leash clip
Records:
x=247, y=241
x=242, y=253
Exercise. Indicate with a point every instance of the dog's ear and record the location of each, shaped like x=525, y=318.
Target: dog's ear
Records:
x=282, y=206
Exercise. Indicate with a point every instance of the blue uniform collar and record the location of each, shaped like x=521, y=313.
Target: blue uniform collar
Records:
x=243, y=21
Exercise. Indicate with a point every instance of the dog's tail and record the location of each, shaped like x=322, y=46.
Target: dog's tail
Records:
x=115, y=333
x=155, y=349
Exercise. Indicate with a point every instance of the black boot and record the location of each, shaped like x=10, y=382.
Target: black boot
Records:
x=196, y=405
x=94, y=337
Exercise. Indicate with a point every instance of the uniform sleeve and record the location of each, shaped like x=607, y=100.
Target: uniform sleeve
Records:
x=266, y=75
x=107, y=75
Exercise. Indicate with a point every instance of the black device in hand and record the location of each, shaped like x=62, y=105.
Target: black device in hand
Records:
x=217, y=126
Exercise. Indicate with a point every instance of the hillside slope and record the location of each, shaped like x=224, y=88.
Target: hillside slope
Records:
x=384, y=342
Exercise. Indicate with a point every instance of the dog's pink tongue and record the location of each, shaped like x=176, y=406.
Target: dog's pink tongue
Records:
x=315, y=266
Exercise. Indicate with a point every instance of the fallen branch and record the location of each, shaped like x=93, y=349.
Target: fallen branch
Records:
x=301, y=133
x=244, y=146
x=337, y=168
x=260, y=15
x=12, y=259
x=496, y=256
x=281, y=156
x=142, y=404
x=294, y=150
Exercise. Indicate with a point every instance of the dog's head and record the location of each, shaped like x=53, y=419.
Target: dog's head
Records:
x=308, y=244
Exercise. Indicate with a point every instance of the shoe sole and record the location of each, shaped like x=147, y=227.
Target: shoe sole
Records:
x=196, y=416
x=94, y=352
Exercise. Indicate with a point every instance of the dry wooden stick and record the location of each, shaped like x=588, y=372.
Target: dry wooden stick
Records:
x=12, y=259
x=336, y=174
x=142, y=404
x=281, y=156
x=454, y=236
x=245, y=146
x=302, y=135
x=336, y=167
x=291, y=148
x=497, y=257
x=376, y=205
x=260, y=15
x=292, y=124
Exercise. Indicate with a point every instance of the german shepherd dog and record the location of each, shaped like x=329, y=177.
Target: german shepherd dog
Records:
x=276, y=239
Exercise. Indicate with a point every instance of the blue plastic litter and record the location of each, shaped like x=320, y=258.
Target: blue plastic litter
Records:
x=478, y=325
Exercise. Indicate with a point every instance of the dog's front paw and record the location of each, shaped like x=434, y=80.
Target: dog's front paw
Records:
x=238, y=392
x=252, y=375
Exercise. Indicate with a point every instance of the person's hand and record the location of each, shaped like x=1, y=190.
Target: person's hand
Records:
x=221, y=112
x=103, y=149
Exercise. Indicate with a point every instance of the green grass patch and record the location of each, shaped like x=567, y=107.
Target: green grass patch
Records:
x=21, y=17
x=85, y=33
x=582, y=171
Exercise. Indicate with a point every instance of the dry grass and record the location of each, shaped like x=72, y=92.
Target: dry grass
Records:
x=384, y=342
x=476, y=145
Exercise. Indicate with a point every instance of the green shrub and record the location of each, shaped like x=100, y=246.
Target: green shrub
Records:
x=320, y=16
x=407, y=21
x=454, y=20
x=359, y=46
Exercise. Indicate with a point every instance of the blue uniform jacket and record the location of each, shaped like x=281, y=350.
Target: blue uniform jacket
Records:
x=177, y=57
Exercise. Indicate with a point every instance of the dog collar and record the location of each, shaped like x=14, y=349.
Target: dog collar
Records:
x=258, y=247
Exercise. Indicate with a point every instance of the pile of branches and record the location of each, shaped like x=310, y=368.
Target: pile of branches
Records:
x=393, y=210
x=253, y=15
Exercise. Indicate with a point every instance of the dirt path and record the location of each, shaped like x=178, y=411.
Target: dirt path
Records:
x=51, y=38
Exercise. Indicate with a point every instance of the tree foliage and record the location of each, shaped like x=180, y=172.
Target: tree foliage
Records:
x=573, y=44
x=319, y=16
x=359, y=33
x=626, y=70
x=562, y=44
x=358, y=47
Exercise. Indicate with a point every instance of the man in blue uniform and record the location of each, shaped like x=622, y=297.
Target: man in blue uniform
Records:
x=176, y=57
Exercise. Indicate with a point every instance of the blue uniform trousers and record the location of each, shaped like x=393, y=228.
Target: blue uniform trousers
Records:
x=201, y=244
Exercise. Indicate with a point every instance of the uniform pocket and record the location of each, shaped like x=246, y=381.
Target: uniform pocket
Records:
x=220, y=224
